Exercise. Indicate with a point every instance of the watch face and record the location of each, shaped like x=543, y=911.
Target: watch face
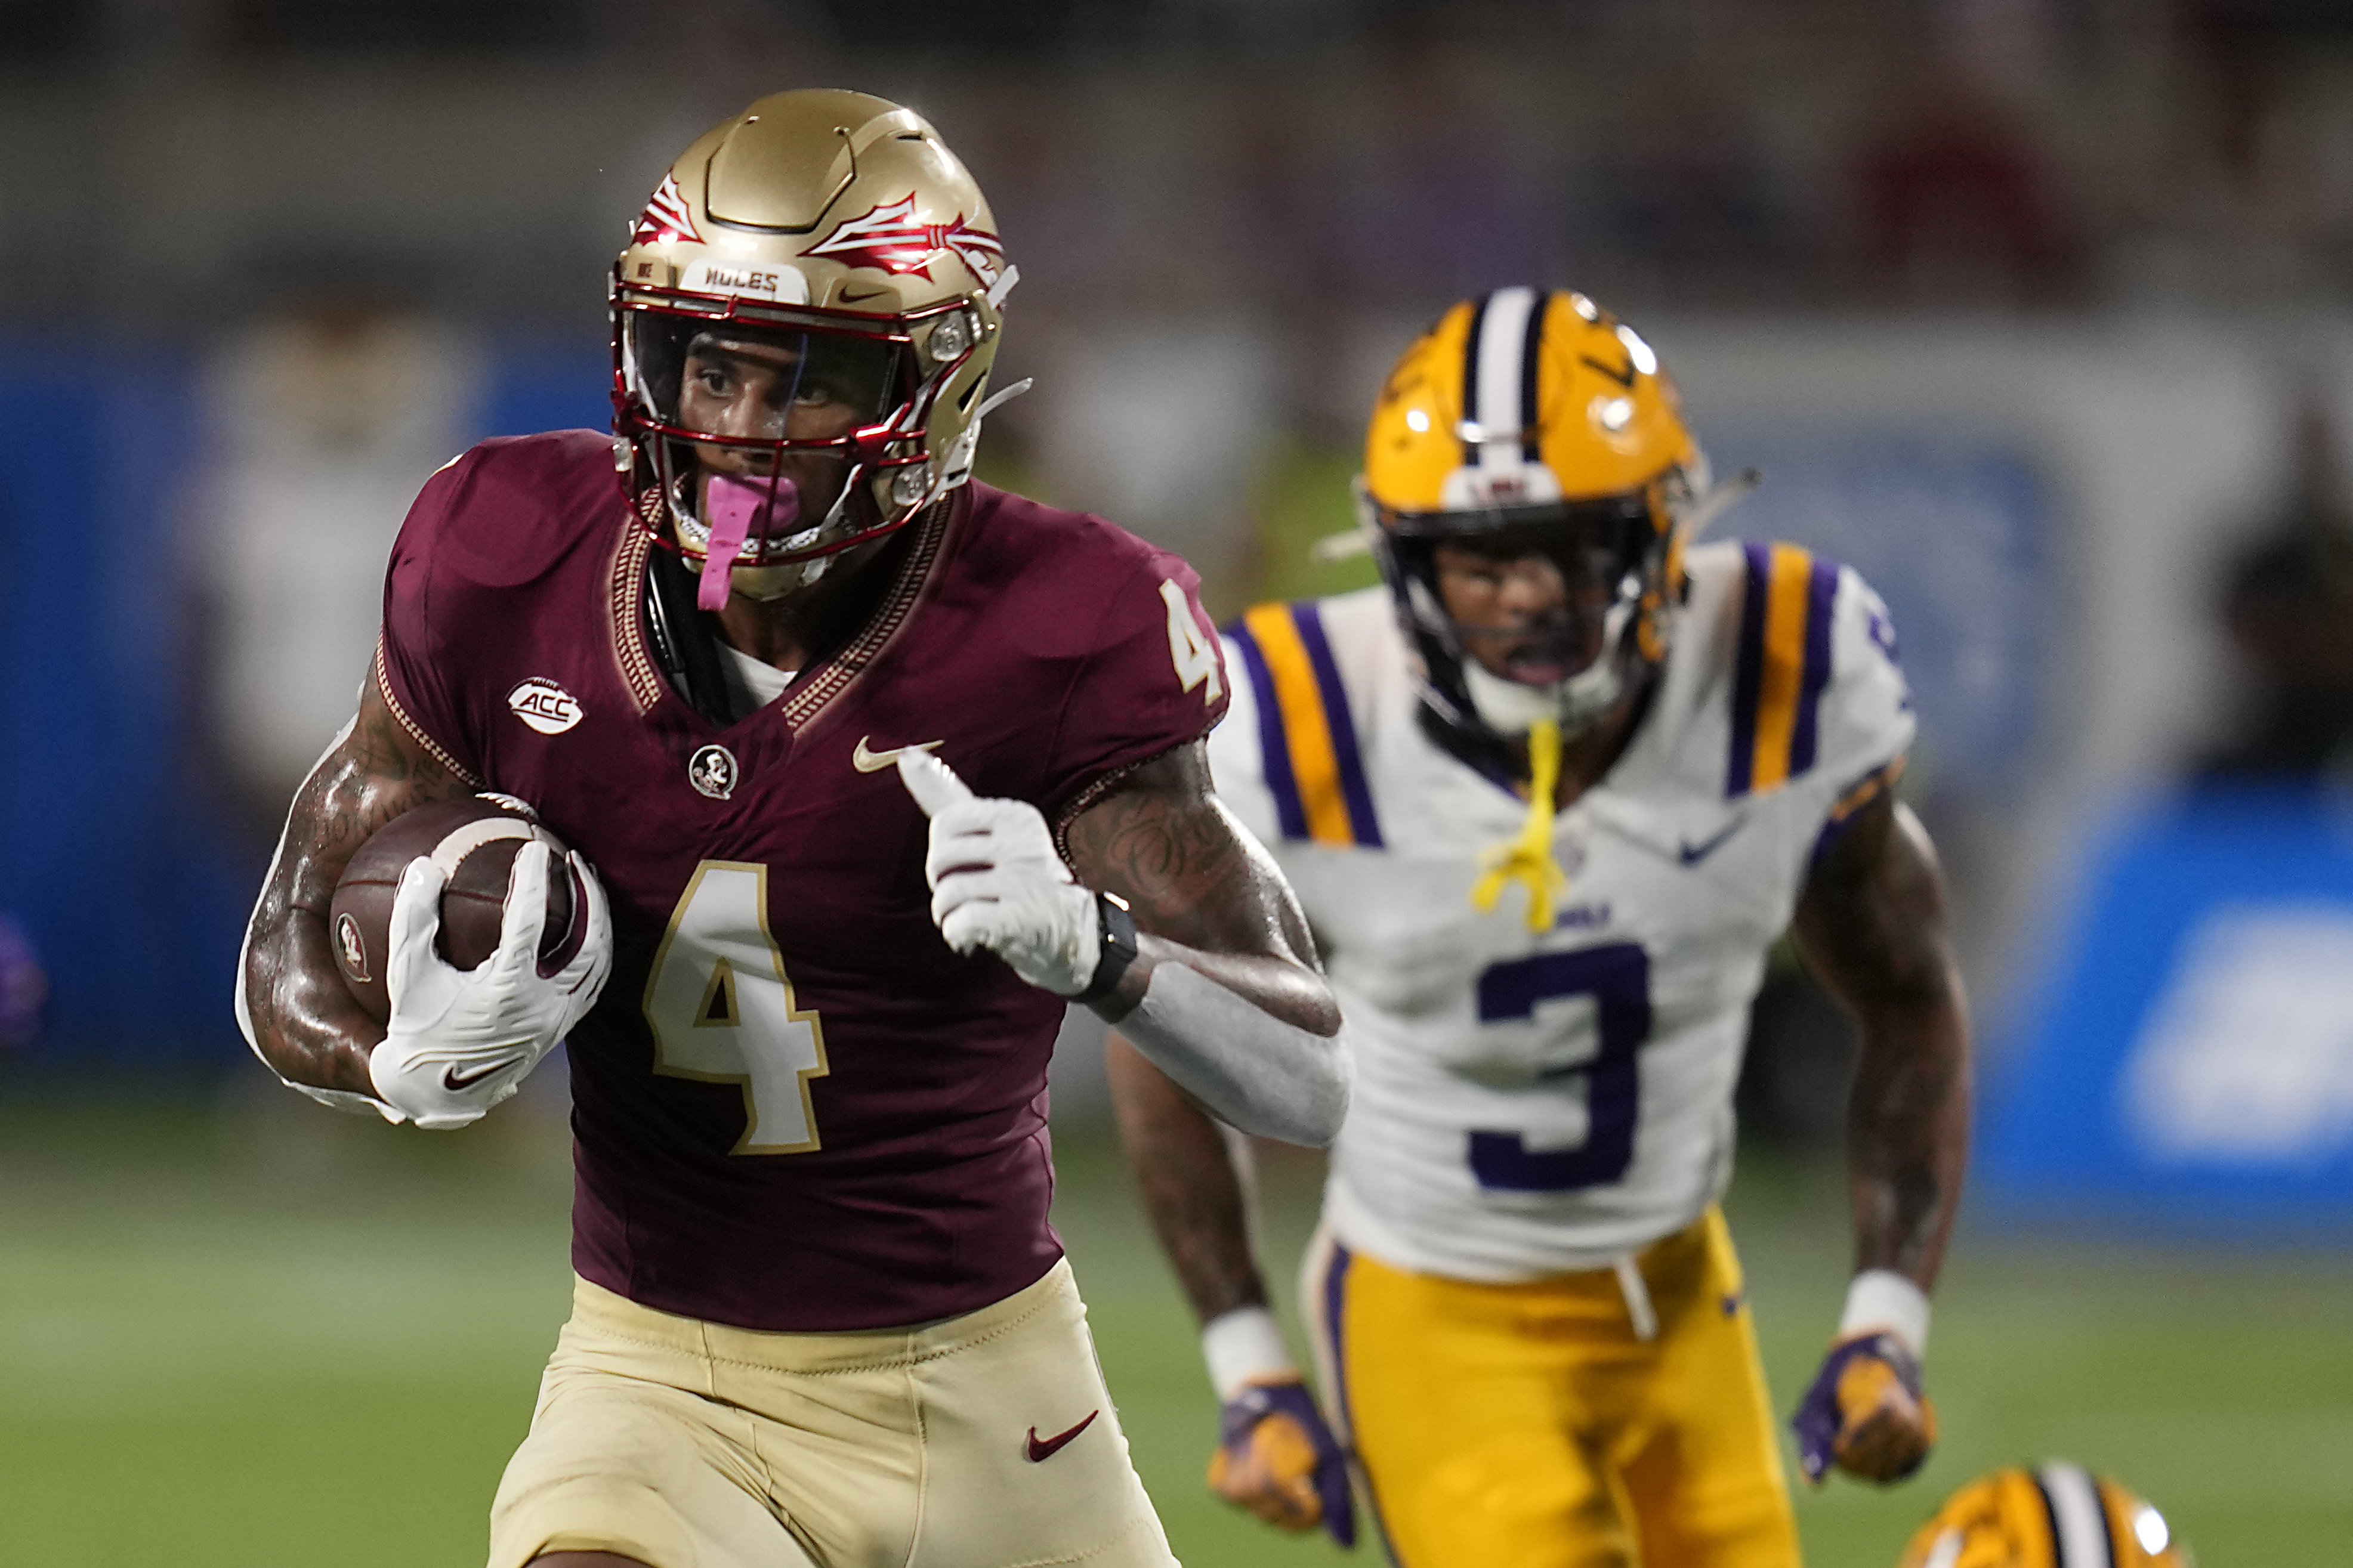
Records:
x=1118, y=929
x=1118, y=925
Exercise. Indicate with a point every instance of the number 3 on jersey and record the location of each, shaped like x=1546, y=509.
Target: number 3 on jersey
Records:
x=1194, y=654
x=722, y=1008
x=1616, y=975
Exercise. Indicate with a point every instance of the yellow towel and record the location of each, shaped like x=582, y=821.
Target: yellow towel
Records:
x=1528, y=857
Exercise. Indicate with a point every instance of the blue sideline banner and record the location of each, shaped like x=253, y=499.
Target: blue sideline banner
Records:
x=113, y=857
x=2187, y=1062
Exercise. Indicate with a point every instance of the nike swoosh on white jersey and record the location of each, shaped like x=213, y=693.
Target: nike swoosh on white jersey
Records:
x=871, y=761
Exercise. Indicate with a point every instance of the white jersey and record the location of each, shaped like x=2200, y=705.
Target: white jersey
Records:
x=1529, y=1102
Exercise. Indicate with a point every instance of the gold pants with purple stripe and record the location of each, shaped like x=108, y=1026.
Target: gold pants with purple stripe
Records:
x=1530, y=1425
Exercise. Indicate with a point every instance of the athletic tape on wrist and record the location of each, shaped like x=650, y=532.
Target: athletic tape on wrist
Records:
x=1882, y=1299
x=1245, y=1346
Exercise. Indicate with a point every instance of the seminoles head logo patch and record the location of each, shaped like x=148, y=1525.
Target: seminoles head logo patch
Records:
x=353, y=950
x=712, y=772
x=889, y=239
x=667, y=217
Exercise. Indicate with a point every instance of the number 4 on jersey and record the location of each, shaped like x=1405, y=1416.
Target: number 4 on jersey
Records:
x=722, y=1008
x=1194, y=654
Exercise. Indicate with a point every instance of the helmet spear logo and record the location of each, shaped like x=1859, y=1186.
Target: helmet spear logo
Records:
x=667, y=217
x=890, y=239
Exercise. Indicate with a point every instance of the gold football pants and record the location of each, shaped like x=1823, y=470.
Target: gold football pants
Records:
x=1529, y=1425
x=983, y=1441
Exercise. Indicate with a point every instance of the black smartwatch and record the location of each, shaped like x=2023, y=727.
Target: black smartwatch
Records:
x=1116, y=929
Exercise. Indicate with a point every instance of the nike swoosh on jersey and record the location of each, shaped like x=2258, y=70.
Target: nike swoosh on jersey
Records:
x=871, y=761
x=1691, y=854
x=1040, y=1451
x=453, y=1080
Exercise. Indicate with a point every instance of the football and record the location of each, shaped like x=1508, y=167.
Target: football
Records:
x=475, y=840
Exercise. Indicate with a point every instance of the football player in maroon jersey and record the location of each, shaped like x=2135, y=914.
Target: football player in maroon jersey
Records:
x=876, y=767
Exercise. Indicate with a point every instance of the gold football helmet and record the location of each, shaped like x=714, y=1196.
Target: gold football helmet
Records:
x=1528, y=423
x=826, y=251
x=2057, y=1515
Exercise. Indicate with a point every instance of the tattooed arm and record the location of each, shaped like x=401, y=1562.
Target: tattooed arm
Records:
x=298, y=1014
x=1204, y=893
x=1871, y=925
x=1225, y=994
x=1210, y=898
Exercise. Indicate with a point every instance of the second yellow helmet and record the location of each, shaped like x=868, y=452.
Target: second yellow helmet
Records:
x=2056, y=1515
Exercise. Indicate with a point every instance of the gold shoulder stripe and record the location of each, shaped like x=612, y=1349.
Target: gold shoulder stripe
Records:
x=1306, y=728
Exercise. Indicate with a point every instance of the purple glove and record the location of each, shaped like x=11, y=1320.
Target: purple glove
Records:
x=1866, y=1412
x=23, y=987
x=1278, y=1459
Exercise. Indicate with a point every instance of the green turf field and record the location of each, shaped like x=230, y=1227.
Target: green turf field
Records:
x=264, y=1335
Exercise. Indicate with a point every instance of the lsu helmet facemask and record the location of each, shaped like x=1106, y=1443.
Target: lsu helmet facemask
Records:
x=1534, y=431
x=803, y=326
x=2055, y=1516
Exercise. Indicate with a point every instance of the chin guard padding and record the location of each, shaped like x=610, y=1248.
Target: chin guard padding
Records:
x=1528, y=857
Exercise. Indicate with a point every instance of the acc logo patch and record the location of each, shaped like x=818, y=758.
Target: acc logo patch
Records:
x=544, y=706
x=348, y=943
x=712, y=772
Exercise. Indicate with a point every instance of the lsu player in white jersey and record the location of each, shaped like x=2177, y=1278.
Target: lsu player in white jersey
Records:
x=1547, y=798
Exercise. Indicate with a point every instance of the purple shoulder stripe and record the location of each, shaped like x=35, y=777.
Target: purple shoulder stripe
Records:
x=1821, y=599
x=1274, y=752
x=1354, y=788
x=1748, y=667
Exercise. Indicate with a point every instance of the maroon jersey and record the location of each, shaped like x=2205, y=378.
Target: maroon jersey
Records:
x=794, y=1107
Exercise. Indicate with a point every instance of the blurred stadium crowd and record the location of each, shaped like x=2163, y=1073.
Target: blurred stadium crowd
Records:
x=2035, y=310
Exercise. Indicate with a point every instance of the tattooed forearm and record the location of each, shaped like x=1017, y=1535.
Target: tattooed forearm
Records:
x=1191, y=1188
x=304, y=1021
x=1872, y=926
x=1204, y=893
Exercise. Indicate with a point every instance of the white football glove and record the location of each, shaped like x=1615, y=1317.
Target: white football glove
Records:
x=998, y=882
x=459, y=1041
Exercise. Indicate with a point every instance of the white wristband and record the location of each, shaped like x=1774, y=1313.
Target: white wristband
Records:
x=1245, y=1346
x=1882, y=1299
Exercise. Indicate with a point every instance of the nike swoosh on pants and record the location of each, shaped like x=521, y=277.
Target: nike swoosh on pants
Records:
x=1046, y=1448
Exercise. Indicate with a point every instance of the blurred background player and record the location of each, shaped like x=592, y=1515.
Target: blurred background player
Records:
x=2055, y=1515
x=24, y=985
x=820, y=1317
x=1547, y=798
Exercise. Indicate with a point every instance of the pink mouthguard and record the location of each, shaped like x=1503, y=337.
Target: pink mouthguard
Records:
x=730, y=505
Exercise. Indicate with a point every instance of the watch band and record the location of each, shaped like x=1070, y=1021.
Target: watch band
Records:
x=1116, y=929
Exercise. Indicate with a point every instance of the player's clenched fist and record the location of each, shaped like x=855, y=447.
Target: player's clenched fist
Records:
x=459, y=1041
x=999, y=882
x=1277, y=1458
x=1865, y=1413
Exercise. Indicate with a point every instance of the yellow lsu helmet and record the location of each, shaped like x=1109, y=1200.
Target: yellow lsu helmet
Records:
x=2056, y=1515
x=1528, y=422
x=836, y=234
